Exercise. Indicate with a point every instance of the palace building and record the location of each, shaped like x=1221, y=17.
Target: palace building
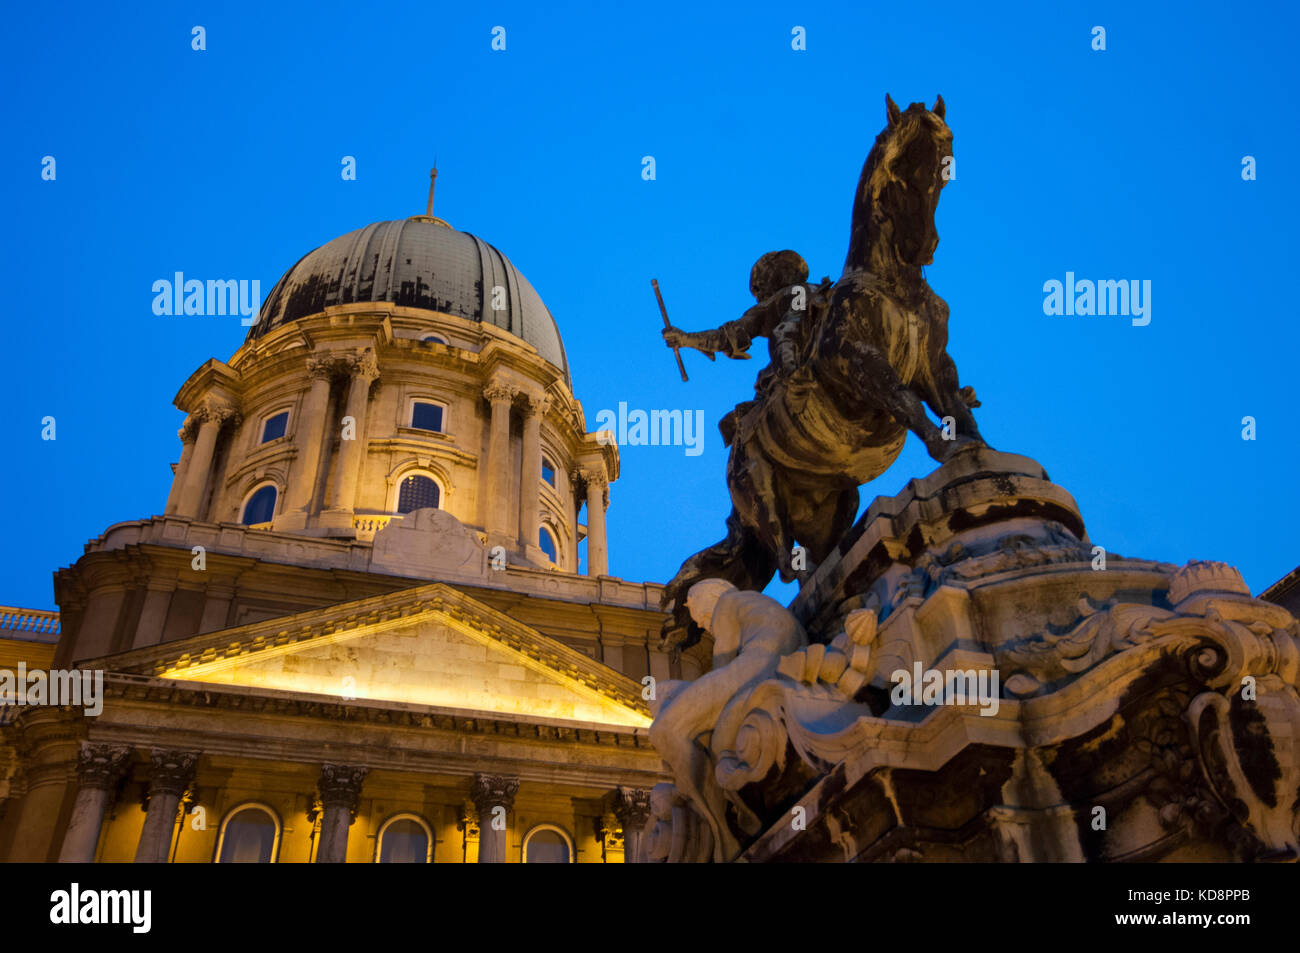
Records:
x=374, y=621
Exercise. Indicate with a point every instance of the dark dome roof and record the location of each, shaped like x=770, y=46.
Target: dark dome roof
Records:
x=416, y=263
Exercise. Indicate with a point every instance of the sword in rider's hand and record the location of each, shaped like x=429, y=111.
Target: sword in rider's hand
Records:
x=677, y=352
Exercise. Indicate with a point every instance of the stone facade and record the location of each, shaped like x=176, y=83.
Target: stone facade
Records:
x=324, y=671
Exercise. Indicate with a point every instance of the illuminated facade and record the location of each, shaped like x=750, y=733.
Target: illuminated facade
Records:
x=359, y=631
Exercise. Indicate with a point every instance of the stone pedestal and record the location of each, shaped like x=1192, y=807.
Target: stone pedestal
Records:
x=980, y=682
x=980, y=502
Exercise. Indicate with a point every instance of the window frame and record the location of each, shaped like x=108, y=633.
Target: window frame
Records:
x=239, y=809
x=267, y=418
x=409, y=419
x=395, y=494
x=555, y=483
x=248, y=498
x=523, y=848
x=404, y=816
x=555, y=541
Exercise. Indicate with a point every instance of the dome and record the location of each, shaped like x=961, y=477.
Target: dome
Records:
x=418, y=262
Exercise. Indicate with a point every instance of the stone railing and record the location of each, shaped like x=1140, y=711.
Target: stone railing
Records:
x=368, y=525
x=30, y=625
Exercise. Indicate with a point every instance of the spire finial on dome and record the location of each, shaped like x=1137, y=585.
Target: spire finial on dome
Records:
x=428, y=215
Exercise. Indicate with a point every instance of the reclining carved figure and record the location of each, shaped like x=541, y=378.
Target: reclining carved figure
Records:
x=751, y=634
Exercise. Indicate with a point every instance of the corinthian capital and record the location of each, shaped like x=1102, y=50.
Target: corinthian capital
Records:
x=189, y=430
x=498, y=391
x=101, y=766
x=170, y=772
x=632, y=807
x=322, y=366
x=535, y=404
x=216, y=410
x=340, y=786
x=364, y=364
x=493, y=790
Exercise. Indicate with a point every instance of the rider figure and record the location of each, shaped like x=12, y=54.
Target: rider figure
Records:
x=779, y=283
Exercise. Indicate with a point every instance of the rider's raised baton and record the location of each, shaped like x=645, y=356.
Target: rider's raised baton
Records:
x=668, y=324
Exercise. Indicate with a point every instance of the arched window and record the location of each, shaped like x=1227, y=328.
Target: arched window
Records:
x=418, y=492
x=547, y=542
x=260, y=506
x=405, y=839
x=250, y=835
x=434, y=339
x=547, y=844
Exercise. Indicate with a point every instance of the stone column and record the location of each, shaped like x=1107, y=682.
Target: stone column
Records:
x=153, y=616
x=494, y=797
x=575, y=509
x=210, y=415
x=497, y=484
x=352, y=452
x=216, y=606
x=170, y=774
x=530, y=472
x=187, y=434
x=99, y=768
x=632, y=808
x=597, y=555
x=309, y=433
x=340, y=793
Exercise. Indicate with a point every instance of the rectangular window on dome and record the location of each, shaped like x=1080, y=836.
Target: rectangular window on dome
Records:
x=275, y=426
x=548, y=471
x=425, y=416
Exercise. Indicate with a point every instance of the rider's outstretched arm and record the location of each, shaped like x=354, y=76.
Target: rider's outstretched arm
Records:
x=732, y=339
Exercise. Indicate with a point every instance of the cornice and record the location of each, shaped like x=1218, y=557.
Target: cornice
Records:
x=213, y=378
x=379, y=613
x=135, y=690
x=261, y=458
x=439, y=446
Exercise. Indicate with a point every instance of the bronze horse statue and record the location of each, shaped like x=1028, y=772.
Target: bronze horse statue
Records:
x=871, y=353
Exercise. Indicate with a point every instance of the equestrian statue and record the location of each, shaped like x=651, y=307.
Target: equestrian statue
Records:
x=853, y=366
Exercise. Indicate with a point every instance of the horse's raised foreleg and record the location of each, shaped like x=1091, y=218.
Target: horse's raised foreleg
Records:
x=946, y=398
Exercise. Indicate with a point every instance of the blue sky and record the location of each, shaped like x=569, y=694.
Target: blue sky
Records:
x=1117, y=164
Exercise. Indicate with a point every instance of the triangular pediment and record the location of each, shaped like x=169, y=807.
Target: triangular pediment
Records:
x=430, y=645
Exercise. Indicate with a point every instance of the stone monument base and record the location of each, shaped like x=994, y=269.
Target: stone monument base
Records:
x=981, y=683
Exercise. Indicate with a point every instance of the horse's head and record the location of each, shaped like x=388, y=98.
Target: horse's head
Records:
x=900, y=185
